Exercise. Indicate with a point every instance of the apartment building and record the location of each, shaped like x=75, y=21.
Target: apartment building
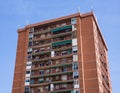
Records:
x=62, y=55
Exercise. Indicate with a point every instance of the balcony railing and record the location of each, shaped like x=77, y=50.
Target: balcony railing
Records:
x=51, y=74
x=63, y=53
x=69, y=80
x=42, y=42
x=46, y=65
x=41, y=38
x=61, y=89
x=42, y=31
x=41, y=59
x=62, y=38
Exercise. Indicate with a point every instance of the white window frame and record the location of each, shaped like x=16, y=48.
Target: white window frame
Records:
x=74, y=42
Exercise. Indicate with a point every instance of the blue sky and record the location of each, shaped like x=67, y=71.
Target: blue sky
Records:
x=15, y=13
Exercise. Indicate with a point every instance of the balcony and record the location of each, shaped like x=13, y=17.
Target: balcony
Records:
x=41, y=42
x=62, y=61
x=38, y=58
x=61, y=29
x=44, y=83
x=63, y=52
x=49, y=65
x=42, y=36
x=62, y=38
x=42, y=31
x=41, y=50
x=62, y=34
x=51, y=74
x=60, y=88
x=61, y=47
x=65, y=42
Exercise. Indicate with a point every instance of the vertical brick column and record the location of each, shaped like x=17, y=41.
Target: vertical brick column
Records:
x=21, y=59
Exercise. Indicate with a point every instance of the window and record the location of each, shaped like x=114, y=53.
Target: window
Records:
x=76, y=83
x=40, y=89
x=64, y=77
x=77, y=91
x=57, y=78
x=28, y=65
x=42, y=35
x=30, y=43
x=75, y=66
x=73, y=21
x=29, y=57
x=57, y=87
x=27, y=81
x=41, y=80
x=42, y=49
x=41, y=72
x=46, y=88
x=64, y=69
x=47, y=79
x=52, y=53
x=75, y=74
x=29, y=49
x=74, y=49
x=64, y=52
x=57, y=61
x=64, y=86
x=31, y=29
x=75, y=58
x=64, y=60
x=27, y=72
x=32, y=81
x=51, y=87
x=27, y=89
x=57, y=69
x=41, y=64
x=63, y=24
x=47, y=71
x=30, y=36
x=73, y=28
x=48, y=48
x=74, y=42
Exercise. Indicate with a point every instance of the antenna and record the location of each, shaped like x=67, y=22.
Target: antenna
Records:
x=18, y=26
x=78, y=9
x=92, y=8
x=91, y=3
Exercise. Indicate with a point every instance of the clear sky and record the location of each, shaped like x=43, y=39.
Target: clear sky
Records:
x=14, y=13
